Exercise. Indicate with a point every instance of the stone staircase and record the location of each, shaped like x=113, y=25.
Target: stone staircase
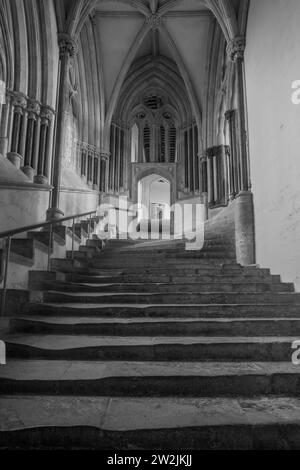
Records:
x=147, y=346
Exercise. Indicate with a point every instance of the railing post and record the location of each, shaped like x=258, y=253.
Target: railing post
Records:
x=4, y=291
x=73, y=238
x=50, y=247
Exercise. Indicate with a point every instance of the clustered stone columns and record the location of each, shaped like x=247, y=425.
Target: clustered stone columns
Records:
x=214, y=171
x=192, y=170
x=29, y=137
x=19, y=127
x=4, y=124
x=244, y=210
x=67, y=50
x=44, y=157
x=235, y=50
x=105, y=156
x=116, y=162
x=88, y=164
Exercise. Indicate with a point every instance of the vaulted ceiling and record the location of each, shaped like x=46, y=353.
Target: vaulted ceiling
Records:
x=183, y=35
x=117, y=35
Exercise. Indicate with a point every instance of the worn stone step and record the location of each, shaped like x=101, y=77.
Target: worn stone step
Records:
x=246, y=287
x=93, y=423
x=172, y=297
x=184, y=310
x=170, y=278
x=198, y=348
x=190, y=270
x=157, y=326
x=160, y=379
x=149, y=264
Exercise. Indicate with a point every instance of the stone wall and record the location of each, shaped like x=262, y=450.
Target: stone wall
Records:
x=272, y=64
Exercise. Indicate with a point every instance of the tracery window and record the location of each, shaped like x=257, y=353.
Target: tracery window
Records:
x=154, y=133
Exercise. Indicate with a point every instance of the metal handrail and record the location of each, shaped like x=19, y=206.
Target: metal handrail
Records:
x=10, y=233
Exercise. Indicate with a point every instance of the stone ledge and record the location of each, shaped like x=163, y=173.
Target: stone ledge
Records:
x=21, y=186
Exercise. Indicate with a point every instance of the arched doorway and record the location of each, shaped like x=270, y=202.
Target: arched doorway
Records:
x=154, y=197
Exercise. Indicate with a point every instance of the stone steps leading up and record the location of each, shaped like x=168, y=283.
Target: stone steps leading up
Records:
x=195, y=287
x=150, y=423
x=158, y=350
x=272, y=310
x=171, y=297
x=116, y=348
x=157, y=326
x=160, y=379
x=173, y=279
x=188, y=270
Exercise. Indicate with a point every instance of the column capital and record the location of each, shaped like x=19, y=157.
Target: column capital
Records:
x=33, y=109
x=105, y=155
x=91, y=149
x=47, y=114
x=236, y=48
x=67, y=45
x=18, y=100
x=210, y=152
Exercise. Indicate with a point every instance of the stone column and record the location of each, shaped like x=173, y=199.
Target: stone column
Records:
x=33, y=111
x=67, y=49
x=233, y=164
x=236, y=49
x=19, y=103
x=244, y=229
x=105, y=158
x=90, y=166
x=4, y=131
x=23, y=135
x=126, y=158
x=43, y=169
x=84, y=159
x=98, y=177
x=244, y=209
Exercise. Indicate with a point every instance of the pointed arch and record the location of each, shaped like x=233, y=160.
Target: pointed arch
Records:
x=121, y=77
x=185, y=75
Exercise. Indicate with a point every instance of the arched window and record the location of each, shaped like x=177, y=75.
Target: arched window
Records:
x=172, y=144
x=147, y=143
x=162, y=153
x=154, y=132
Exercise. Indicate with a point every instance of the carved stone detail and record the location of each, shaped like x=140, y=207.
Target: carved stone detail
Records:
x=236, y=48
x=154, y=21
x=104, y=155
x=47, y=114
x=19, y=101
x=67, y=46
x=33, y=109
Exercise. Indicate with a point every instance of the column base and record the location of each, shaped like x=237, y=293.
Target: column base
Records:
x=54, y=214
x=40, y=179
x=15, y=159
x=29, y=172
x=245, y=229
